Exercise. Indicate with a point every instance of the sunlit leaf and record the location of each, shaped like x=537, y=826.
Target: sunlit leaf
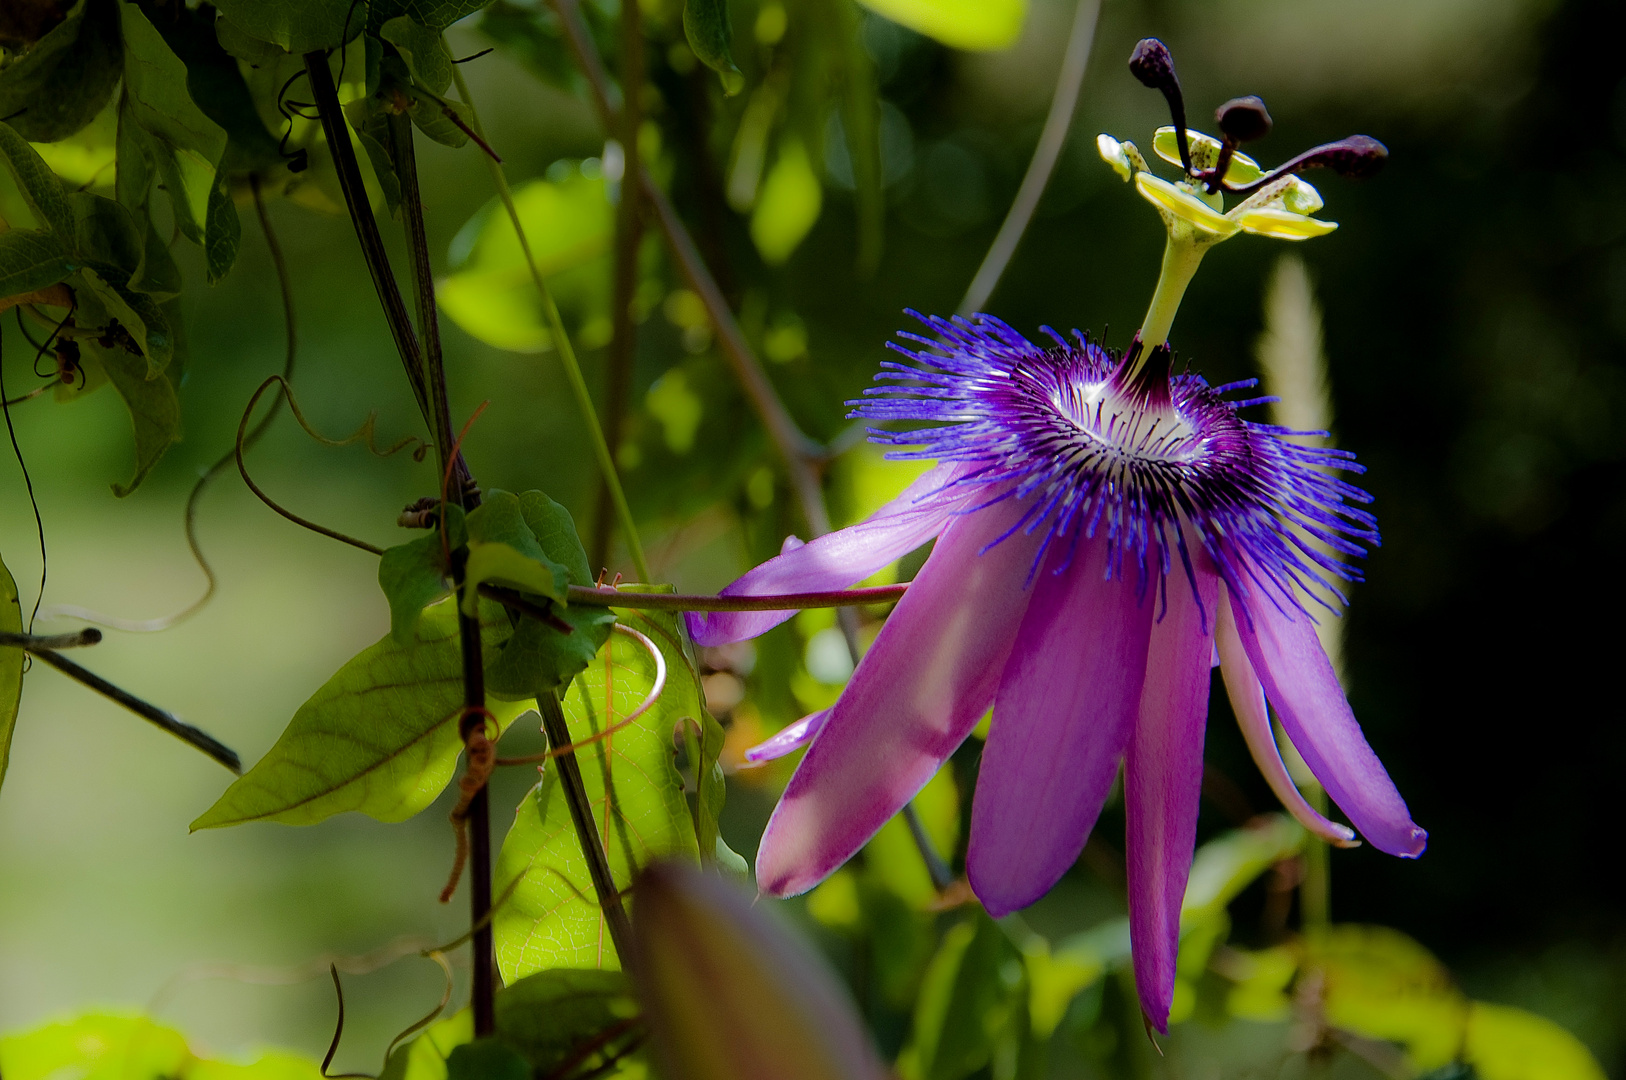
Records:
x=105, y=1046
x=11, y=666
x=1504, y=1043
x=788, y=204
x=730, y=995
x=298, y=26
x=424, y=1057
x=379, y=738
x=552, y=917
x=705, y=24
x=61, y=82
x=960, y=24
x=569, y=224
x=1381, y=984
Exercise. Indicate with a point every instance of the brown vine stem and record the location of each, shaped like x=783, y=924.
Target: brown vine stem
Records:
x=476, y=814
x=639, y=601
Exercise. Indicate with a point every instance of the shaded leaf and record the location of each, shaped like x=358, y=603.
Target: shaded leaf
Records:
x=30, y=260
x=39, y=186
x=11, y=666
x=435, y=14
x=62, y=81
x=549, y=1017
x=412, y=575
x=959, y=24
x=504, y=550
x=102, y=300
x=298, y=26
x=552, y=918
x=424, y=51
x=486, y=1059
x=155, y=410
x=379, y=738
x=705, y=24
x=369, y=119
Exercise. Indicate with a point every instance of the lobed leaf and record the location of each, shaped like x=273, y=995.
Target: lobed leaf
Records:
x=424, y=51
x=298, y=26
x=379, y=738
x=552, y=919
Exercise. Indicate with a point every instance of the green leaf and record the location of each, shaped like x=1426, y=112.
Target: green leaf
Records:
x=964, y=1002
x=424, y=51
x=788, y=204
x=40, y=188
x=1381, y=984
x=424, y=1058
x=433, y=116
x=155, y=411
x=102, y=299
x=504, y=550
x=551, y=1016
x=31, y=259
x=187, y=148
x=551, y=919
x=298, y=26
x=11, y=666
x=555, y=532
x=1504, y=1043
x=61, y=82
x=705, y=24
x=1229, y=863
x=490, y=295
x=413, y=576
x=435, y=14
x=102, y=1046
x=959, y=24
x=369, y=119
x=379, y=738
x=486, y=1059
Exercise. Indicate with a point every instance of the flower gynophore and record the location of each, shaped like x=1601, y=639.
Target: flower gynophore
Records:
x=1104, y=528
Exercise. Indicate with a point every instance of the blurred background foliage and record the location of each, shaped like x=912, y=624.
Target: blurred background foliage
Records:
x=1475, y=312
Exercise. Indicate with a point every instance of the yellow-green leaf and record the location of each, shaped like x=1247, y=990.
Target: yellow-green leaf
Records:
x=788, y=204
x=108, y=1046
x=960, y=24
x=1504, y=1043
x=552, y=919
x=379, y=738
x=424, y=1058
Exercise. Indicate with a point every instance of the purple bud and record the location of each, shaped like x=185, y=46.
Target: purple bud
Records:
x=1243, y=119
x=1152, y=64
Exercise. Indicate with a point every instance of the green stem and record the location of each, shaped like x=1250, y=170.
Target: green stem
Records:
x=1181, y=257
x=567, y=353
x=1315, y=892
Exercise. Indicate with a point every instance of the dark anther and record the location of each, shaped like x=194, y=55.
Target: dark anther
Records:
x=1243, y=119
x=1359, y=156
x=1154, y=67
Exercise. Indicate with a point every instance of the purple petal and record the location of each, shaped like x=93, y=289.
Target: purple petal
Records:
x=1163, y=776
x=1299, y=681
x=789, y=739
x=915, y=697
x=1066, y=706
x=1248, y=702
x=839, y=559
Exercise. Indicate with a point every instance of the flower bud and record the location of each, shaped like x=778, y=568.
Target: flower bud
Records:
x=1152, y=64
x=1243, y=119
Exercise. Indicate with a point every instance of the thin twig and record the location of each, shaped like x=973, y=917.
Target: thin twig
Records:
x=88, y=636
x=624, y=286
x=567, y=355
x=195, y=737
x=581, y=816
x=641, y=601
x=1045, y=155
